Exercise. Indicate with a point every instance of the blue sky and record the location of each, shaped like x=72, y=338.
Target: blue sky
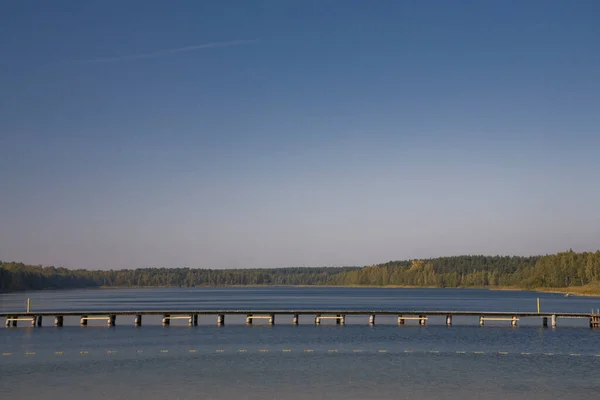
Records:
x=296, y=133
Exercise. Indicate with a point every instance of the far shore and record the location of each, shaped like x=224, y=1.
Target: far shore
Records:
x=587, y=291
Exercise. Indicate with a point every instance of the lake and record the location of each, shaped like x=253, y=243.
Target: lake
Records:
x=355, y=361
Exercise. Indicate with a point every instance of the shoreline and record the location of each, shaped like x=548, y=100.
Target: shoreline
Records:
x=582, y=291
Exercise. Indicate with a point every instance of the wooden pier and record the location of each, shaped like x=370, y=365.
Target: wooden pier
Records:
x=34, y=319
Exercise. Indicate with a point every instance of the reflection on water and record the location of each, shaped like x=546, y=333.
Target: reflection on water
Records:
x=231, y=375
x=280, y=298
x=355, y=361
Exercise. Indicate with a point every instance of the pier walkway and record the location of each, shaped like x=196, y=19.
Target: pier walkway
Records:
x=12, y=319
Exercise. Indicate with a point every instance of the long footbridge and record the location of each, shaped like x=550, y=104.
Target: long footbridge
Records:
x=35, y=319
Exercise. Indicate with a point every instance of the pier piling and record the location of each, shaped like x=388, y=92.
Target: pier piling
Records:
x=553, y=320
x=513, y=320
x=221, y=319
x=448, y=320
x=58, y=320
x=83, y=321
x=112, y=319
x=295, y=319
x=137, y=321
x=251, y=317
x=340, y=319
x=166, y=321
x=372, y=319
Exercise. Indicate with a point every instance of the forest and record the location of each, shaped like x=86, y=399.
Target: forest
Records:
x=562, y=270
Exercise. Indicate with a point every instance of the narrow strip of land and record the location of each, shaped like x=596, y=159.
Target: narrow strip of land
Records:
x=566, y=272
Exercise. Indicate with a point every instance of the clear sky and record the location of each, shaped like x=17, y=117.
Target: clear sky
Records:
x=296, y=133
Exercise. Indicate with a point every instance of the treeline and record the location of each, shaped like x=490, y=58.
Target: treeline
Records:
x=18, y=276
x=564, y=269
x=558, y=270
x=461, y=271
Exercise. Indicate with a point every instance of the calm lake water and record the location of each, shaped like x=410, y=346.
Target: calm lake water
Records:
x=355, y=361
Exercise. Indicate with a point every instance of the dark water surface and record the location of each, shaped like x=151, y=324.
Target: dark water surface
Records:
x=355, y=361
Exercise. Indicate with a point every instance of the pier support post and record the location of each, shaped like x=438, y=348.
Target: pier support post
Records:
x=249, y=320
x=545, y=322
x=166, y=321
x=400, y=320
x=137, y=321
x=448, y=320
x=481, y=321
x=553, y=321
x=342, y=319
x=372, y=319
x=513, y=322
x=191, y=320
x=8, y=321
x=220, y=319
x=272, y=319
x=58, y=320
x=318, y=320
x=83, y=321
x=295, y=319
x=112, y=319
x=195, y=319
x=422, y=320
